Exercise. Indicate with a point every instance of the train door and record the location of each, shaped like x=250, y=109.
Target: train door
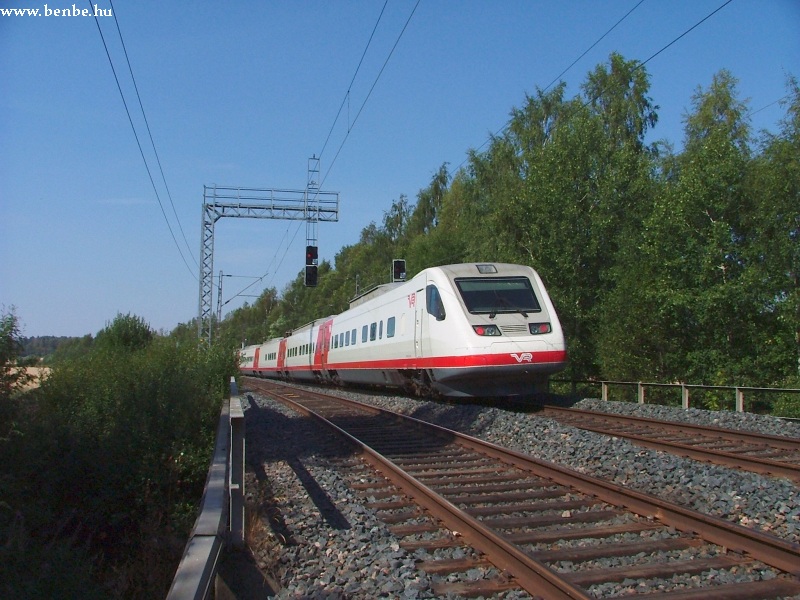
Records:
x=255, y=360
x=323, y=345
x=430, y=332
x=282, y=354
x=417, y=300
x=311, y=351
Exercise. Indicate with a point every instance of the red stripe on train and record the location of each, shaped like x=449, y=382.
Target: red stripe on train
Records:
x=444, y=362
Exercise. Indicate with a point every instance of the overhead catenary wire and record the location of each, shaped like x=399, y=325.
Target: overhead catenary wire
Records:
x=139, y=145
x=766, y=106
x=371, y=89
x=589, y=49
x=345, y=100
x=150, y=134
x=350, y=124
x=639, y=66
x=561, y=75
x=269, y=267
x=355, y=74
x=693, y=27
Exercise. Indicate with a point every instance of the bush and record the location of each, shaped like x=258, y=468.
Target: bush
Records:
x=788, y=404
x=13, y=375
x=117, y=445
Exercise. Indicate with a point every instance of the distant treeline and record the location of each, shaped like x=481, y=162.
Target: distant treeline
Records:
x=49, y=347
x=663, y=265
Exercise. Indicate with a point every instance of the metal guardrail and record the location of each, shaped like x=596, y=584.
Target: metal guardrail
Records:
x=739, y=391
x=221, y=520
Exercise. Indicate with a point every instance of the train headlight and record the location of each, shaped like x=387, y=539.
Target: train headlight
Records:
x=486, y=329
x=539, y=328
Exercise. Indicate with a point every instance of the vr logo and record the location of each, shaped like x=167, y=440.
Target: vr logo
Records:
x=524, y=357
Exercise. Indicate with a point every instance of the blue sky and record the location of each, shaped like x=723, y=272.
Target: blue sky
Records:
x=243, y=93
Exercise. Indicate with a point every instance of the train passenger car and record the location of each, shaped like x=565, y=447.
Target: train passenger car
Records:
x=483, y=330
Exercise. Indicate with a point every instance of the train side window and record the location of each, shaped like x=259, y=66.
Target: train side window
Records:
x=347, y=338
x=353, y=336
x=380, y=330
x=390, y=327
x=434, y=303
x=373, y=330
x=341, y=340
x=364, y=334
x=335, y=341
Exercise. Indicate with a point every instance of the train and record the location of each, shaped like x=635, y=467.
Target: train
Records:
x=473, y=330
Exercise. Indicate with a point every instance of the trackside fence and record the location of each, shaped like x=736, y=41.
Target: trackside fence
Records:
x=221, y=520
x=736, y=393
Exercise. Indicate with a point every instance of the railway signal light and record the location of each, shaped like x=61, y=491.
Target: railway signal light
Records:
x=398, y=269
x=311, y=266
x=311, y=255
x=311, y=276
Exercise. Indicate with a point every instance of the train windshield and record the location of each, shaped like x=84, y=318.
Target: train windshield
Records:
x=494, y=295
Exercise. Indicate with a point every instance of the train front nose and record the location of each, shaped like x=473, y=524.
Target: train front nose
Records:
x=502, y=368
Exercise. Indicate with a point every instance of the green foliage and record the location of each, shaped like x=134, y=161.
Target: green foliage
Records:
x=58, y=570
x=788, y=404
x=12, y=372
x=662, y=266
x=116, y=444
x=125, y=332
x=44, y=347
x=72, y=349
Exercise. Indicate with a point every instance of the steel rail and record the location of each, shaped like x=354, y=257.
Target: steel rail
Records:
x=732, y=459
x=535, y=577
x=769, y=549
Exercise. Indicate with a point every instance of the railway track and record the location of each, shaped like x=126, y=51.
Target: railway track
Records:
x=765, y=454
x=526, y=524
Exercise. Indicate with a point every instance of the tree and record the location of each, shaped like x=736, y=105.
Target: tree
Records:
x=774, y=252
x=13, y=374
x=691, y=261
x=567, y=182
x=425, y=214
x=618, y=95
x=125, y=332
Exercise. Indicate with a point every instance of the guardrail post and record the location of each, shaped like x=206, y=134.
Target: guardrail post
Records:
x=684, y=396
x=604, y=391
x=739, y=400
x=640, y=392
x=236, y=473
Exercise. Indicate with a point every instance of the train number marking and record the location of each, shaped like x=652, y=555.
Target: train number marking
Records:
x=524, y=357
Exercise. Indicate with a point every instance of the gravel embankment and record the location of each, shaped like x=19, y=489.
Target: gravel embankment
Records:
x=322, y=542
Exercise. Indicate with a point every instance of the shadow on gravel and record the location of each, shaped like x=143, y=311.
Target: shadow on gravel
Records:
x=333, y=517
x=275, y=437
x=239, y=578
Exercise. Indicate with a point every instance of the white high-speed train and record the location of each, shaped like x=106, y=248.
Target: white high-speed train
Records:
x=467, y=330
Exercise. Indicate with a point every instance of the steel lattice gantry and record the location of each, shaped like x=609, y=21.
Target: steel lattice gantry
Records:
x=310, y=205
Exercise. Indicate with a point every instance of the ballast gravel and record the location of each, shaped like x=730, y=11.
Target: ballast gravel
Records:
x=318, y=538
